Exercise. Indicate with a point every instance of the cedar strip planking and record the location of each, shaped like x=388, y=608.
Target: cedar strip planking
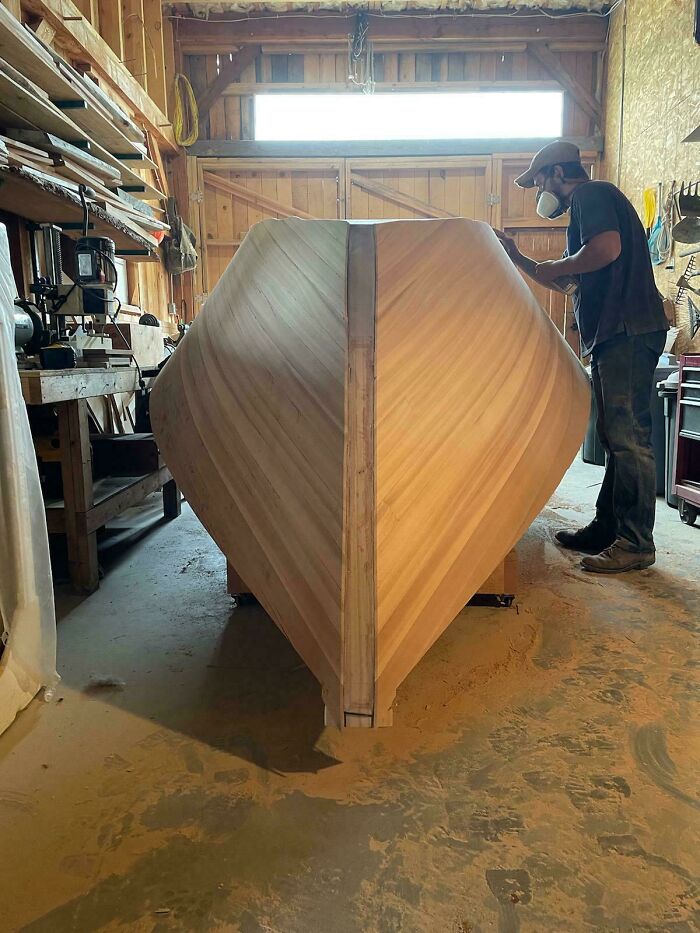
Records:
x=266, y=420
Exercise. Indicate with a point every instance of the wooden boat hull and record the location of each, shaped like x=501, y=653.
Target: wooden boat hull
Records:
x=366, y=418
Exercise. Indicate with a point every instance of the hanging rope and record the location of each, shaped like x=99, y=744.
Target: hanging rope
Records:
x=186, y=116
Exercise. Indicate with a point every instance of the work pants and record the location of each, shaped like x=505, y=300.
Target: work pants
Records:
x=622, y=369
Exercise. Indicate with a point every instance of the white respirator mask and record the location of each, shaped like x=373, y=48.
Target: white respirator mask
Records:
x=549, y=206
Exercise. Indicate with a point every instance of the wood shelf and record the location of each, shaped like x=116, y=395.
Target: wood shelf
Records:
x=38, y=199
x=50, y=386
x=112, y=495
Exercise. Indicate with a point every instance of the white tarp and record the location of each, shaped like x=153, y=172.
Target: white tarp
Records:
x=27, y=618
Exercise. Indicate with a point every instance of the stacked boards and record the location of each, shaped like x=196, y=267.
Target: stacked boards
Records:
x=48, y=109
x=366, y=418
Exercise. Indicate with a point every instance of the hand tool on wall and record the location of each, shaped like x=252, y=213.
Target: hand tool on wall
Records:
x=688, y=229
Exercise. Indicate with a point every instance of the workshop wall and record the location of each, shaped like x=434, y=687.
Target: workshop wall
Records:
x=231, y=115
x=652, y=103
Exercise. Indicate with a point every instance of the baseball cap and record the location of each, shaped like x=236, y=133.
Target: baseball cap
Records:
x=552, y=154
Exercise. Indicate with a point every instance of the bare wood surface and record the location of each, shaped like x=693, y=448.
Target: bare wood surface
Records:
x=76, y=473
x=243, y=148
x=47, y=386
x=198, y=35
x=83, y=40
x=416, y=205
x=231, y=71
x=265, y=419
x=581, y=95
x=270, y=205
x=270, y=409
x=504, y=579
x=359, y=606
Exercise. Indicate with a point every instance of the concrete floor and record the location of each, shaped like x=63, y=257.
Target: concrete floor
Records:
x=541, y=775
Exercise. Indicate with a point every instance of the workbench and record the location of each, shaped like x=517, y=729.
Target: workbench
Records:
x=88, y=505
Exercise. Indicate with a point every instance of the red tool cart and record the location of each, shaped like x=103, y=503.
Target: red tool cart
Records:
x=687, y=475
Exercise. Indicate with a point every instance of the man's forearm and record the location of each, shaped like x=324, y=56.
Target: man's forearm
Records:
x=529, y=267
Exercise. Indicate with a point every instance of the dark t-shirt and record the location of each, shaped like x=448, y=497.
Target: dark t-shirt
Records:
x=621, y=298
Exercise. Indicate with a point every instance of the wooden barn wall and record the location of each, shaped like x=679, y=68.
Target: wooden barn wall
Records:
x=230, y=195
x=652, y=104
x=231, y=116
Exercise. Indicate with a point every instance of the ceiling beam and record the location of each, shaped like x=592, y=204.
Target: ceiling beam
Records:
x=413, y=148
x=211, y=35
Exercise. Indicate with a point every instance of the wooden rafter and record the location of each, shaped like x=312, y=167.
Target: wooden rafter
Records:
x=263, y=203
x=230, y=73
x=581, y=95
x=398, y=197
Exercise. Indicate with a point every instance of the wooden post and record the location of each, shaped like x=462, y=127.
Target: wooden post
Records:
x=111, y=26
x=172, y=500
x=504, y=580
x=155, y=52
x=170, y=65
x=76, y=471
x=90, y=11
x=135, y=40
x=183, y=285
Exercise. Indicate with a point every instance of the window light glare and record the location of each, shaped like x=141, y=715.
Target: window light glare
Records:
x=437, y=115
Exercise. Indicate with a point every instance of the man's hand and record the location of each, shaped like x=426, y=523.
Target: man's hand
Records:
x=550, y=269
x=508, y=244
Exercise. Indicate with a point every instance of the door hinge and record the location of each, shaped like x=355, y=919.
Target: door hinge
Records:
x=196, y=196
x=492, y=199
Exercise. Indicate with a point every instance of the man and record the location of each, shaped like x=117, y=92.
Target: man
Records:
x=622, y=325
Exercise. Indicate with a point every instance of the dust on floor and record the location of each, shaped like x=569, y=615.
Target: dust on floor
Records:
x=541, y=774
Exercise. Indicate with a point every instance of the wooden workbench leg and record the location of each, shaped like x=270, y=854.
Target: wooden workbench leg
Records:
x=172, y=500
x=76, y=471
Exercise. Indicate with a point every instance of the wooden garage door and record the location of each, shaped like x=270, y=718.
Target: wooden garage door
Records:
x=410, y=188
x=235, y=194
x=517, y=206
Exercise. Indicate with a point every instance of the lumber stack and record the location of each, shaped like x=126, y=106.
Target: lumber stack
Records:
x=58, y=130
x=366, y=418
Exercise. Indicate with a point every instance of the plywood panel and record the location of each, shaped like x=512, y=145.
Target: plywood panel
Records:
x=645, y=131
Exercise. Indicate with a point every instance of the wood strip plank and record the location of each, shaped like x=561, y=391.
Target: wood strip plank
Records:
x=359, y=605
x=418, y=205
x=257, y=200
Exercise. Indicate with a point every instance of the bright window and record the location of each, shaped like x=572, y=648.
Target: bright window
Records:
x=402, y=115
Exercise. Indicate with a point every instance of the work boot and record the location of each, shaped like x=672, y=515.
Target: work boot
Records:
x=592, y=539
x=616, y=559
